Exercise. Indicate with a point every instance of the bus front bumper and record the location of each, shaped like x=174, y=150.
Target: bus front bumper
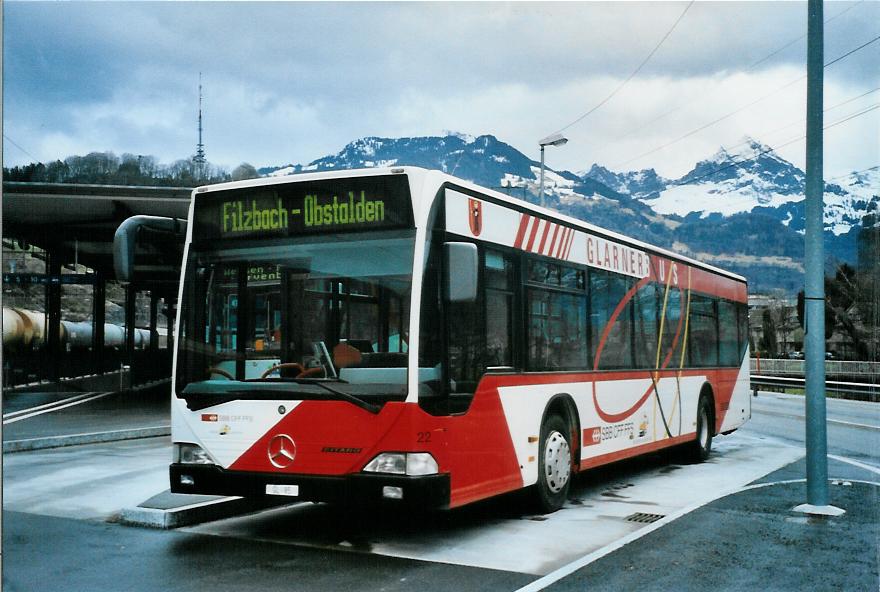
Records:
x=430, y=491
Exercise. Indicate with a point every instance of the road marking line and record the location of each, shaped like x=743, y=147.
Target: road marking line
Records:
x=567, y=570
x=789, y=481
x=851, y=424
x=843, y=459
x=830, y=401
x=856, y=463
x=12, y=414
x=36, y=413
x=584, y=561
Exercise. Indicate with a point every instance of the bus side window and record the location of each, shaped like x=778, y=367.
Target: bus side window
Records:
x=727, y=334
x=611, y=342
x=499, y=284
x=742, y=317
x=557, y=317
x=465, y=341
x=703, y=332
x=645, y=330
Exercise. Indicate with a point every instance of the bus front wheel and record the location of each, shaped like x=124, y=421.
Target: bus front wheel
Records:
x=554, y=465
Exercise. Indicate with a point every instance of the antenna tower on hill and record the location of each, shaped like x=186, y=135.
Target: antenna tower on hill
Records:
x=199, y=158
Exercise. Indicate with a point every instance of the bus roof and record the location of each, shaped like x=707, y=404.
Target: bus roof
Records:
x=445, y=177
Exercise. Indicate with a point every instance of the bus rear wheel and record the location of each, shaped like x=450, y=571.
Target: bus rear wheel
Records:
x=699, y=449
x=554, y=465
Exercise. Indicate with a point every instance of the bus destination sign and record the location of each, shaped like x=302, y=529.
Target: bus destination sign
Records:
x=339, y=205
x=249, y=216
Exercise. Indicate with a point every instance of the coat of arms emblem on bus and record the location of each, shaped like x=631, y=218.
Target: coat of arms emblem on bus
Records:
x=475, y=216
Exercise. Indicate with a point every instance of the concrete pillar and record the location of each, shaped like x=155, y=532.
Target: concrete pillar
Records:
x=130, y=298
x=154, y=321
x=53, y=315
x=99, y=295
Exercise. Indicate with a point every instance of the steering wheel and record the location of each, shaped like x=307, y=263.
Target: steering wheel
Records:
x=285, y=366
x=220, y=371
x=303, y=372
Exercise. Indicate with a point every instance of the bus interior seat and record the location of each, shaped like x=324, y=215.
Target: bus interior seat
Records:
x=345, y=355
x=365, y=346
x=384, y=360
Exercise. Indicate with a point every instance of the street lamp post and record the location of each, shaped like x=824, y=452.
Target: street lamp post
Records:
x=551, y=140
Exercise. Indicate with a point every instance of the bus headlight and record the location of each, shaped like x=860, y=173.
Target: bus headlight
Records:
x=191, y=454
x=421, y=463
x=403, y=463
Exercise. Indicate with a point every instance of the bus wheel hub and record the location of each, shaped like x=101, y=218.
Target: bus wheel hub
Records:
x=557, y=462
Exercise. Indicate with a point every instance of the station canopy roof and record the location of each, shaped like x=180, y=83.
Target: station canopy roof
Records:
x=78, y=222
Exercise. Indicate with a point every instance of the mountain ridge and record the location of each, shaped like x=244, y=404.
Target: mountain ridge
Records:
x=742, y=207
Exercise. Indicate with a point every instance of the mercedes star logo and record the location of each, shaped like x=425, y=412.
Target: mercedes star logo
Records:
x=281, y=451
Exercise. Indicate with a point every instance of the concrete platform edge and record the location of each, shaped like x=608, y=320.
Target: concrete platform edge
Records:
x=193, y=514
x=78, y=439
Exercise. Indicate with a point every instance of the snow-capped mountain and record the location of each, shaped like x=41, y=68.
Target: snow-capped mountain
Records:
x=644, y=184
x=750, y=178
x=484, y=159
x=741, y=209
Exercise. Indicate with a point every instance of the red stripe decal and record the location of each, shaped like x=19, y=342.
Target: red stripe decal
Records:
x=562, y=242
x=534, y=233
x=555, y=250
x=595, y=461
x=553, y=240
x=677, y=331
x=544, y=237
x=521, y=233
x=570, y=243
x=616, y=417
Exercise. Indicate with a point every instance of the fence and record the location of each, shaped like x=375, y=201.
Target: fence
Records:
x=857, y=371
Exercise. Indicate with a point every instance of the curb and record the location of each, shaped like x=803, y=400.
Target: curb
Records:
x=196, y=513
x=90, y=438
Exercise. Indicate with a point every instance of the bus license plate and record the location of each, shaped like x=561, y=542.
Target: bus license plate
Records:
x=288, y=490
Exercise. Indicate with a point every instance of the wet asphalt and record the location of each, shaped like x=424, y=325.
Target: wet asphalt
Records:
x=750, y=540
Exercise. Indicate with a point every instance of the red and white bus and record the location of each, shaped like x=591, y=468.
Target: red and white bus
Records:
x=401, y=334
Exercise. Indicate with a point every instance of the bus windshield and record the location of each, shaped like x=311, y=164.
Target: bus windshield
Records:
x=329, y=308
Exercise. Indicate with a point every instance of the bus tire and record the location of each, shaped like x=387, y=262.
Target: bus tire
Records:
x=554, y=465
x=698, y=450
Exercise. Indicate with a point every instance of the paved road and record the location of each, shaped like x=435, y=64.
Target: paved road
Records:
x=44, y=553
x=749, y=541
x=853, y=426
x=58, y=414
x=318, y=547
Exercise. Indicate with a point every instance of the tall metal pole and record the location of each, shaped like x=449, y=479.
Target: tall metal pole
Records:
x=814, y=280
x=542, y=175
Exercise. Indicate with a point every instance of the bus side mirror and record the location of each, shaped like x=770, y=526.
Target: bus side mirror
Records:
x=169, y=231
x=462, y=265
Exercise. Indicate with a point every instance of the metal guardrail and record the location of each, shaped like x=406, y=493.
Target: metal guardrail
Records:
x=851, y=390
x=772, y=367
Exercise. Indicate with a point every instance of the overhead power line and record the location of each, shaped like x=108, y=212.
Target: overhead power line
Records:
x=854, y=172
x=801, y=122
x=749, y=69
x=774, y=148
x=631, y=76
x=804, y=36
x=743, y=108
x=852, y=51
x=8, y=139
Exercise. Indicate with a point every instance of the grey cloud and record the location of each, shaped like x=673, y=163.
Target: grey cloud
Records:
x=349, y=64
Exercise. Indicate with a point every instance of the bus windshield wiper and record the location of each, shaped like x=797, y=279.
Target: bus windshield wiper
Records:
x=198, y=399
x=374, y=409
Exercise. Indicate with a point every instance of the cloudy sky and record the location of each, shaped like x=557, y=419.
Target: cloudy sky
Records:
x=291, y=82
